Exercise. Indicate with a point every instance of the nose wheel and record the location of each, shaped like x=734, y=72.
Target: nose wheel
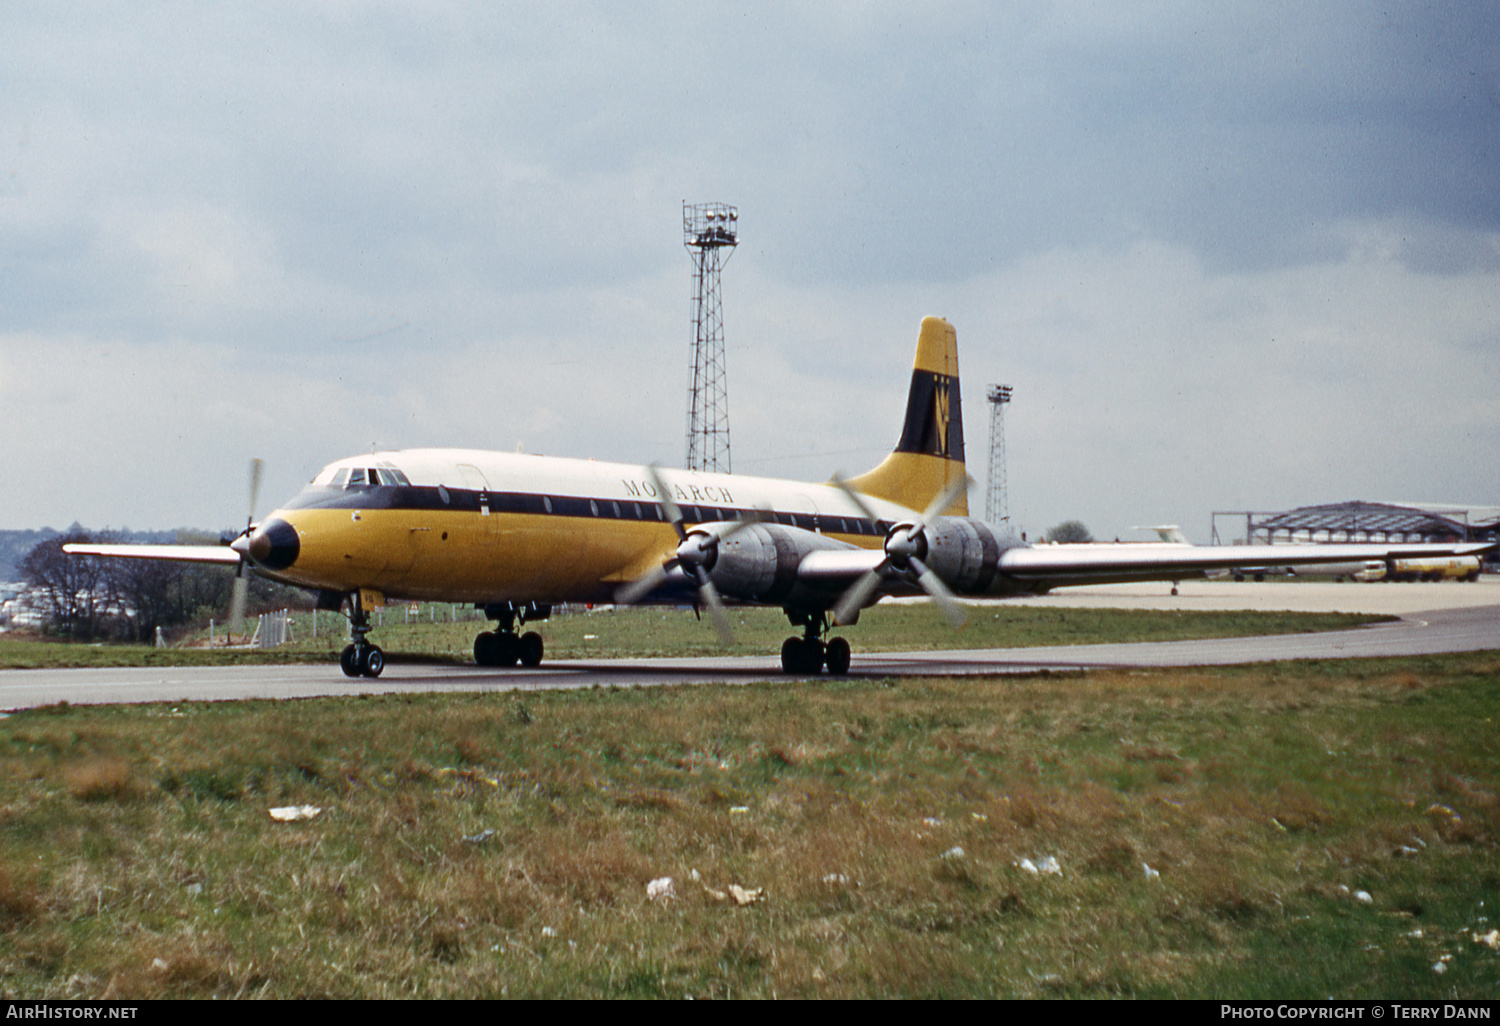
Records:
x=360, y=658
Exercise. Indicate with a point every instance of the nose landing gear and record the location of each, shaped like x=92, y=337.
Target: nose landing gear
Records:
x=360, y=658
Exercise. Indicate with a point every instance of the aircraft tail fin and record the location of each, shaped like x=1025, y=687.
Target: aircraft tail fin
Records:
x=930, y=455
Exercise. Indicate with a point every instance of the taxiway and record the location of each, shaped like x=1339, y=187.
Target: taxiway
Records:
x=1463, y=627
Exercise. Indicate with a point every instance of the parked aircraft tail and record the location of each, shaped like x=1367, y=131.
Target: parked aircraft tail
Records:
x=930, y=455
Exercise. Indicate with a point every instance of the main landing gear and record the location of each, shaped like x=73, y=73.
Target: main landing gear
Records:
x=503, y=647
x=360, y=658
x=810, y=654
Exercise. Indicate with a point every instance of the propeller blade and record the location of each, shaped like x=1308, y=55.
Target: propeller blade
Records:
x=952, y=610
x=664, y=496
x=750, y=519
x=854, y=497
x=852, y=601
x=710, y=596
x=630, y=594
x=237, y=603
x=257, y=466
x=944, y=500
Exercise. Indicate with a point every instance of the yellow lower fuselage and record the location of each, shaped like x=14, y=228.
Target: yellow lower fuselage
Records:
x=484, y=527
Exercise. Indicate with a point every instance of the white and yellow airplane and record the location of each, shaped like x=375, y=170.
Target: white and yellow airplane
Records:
x=515, y=534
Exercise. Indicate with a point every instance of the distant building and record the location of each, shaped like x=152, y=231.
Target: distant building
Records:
x=1361, y=521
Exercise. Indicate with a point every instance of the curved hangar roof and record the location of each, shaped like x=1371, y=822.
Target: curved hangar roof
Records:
x=1382, y=520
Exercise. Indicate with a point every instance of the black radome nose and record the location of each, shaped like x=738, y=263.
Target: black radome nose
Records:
x=275, y=545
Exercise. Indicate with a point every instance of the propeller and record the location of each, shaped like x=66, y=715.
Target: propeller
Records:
x=241, y=593
x=695, y=554
x=905, y=548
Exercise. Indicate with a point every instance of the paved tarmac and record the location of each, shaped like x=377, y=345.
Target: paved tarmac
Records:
x=1463, y=625
x=1297, y=596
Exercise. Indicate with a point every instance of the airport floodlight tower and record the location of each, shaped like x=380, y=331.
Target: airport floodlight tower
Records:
x=995, y=500
x=710, y=231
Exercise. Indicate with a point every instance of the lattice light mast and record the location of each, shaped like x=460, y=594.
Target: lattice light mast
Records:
x=710, y=231
x=995, y=498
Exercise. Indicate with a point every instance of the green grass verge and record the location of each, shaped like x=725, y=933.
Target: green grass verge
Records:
x=480, y=845
x=624, y=633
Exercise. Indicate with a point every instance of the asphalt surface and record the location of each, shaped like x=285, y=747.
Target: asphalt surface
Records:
x=1464, y=628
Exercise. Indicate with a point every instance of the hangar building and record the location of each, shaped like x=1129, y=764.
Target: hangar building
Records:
x=1361, y=521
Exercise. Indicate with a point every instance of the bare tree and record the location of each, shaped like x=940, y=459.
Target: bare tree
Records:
x=73, y=590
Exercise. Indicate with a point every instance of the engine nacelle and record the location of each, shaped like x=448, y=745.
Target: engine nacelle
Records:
x=759, y=563
x=964, y=552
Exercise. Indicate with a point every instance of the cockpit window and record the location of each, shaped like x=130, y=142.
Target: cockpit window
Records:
x=357, y=478
x=391, y=476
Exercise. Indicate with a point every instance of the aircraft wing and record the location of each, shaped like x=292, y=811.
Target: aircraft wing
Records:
x=1058, y=565
x=221, y=554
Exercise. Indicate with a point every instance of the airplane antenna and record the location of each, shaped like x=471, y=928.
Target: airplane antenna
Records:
x=710, y=231
x=996, y=500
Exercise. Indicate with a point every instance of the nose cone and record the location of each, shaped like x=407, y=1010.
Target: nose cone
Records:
x=275, y=545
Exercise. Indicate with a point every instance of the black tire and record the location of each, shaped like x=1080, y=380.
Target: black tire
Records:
x=349, y=661
x=531, y=649
x=486, y=650
x=837, y=657
x=791, y=655
x=799, y=655
x=374, y=662
x=507, y=648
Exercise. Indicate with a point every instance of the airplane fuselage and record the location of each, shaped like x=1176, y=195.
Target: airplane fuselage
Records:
x=467, y=525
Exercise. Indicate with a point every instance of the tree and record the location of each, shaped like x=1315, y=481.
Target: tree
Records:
x=86, y=597
x=1069, y=532
x=73, y=591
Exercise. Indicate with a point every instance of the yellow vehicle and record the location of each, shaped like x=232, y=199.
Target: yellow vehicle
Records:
x=1434, y=568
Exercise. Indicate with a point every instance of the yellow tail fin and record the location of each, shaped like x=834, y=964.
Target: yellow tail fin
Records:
x=930, y=454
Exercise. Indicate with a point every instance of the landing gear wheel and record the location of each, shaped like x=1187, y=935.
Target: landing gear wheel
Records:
x=801, y=655
x=837, y=657
x=487, y=649
x=349, y=661
x=530, y=649
x=374, y=662
x=507, y=648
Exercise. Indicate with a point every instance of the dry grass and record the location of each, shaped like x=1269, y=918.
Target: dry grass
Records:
x=478, y=845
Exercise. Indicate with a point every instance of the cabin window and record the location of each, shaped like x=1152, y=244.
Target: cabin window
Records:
x=616, y=506
x=637, y=507
x=593, y=507
x=443, y=494
x=547, y=503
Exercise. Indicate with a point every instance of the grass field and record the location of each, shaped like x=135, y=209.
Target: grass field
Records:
x=475, y=846
x=439, y=632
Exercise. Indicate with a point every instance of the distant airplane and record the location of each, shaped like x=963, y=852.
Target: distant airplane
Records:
x=515, y=534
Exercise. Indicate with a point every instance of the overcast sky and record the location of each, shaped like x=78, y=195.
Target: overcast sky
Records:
x=1230, y=256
